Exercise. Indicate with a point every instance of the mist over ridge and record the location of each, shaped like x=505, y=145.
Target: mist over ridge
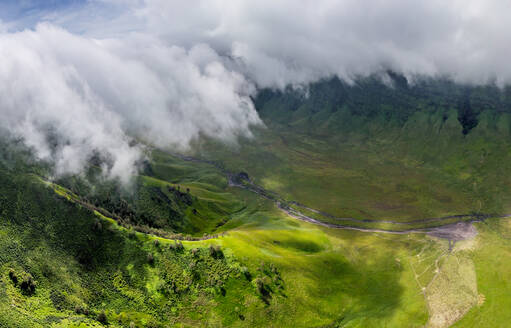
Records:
x=95, y=74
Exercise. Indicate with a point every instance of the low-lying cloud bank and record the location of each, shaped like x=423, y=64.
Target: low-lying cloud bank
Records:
x=70, y=97
x=168, y=71
x=284, y=42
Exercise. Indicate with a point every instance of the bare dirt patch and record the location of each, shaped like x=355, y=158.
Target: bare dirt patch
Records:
x=452, y=292
x=454, y=232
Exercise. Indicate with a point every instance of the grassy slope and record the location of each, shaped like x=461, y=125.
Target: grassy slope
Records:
x=327, y=276
x=213, y=205
x=351, y=279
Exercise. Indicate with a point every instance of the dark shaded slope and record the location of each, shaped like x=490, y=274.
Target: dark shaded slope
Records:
x=369, y=99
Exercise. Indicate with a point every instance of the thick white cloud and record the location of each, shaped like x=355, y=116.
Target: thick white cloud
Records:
x=93, y=94
x=288, y=42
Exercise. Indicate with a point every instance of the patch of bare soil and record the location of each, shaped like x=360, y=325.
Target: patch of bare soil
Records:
x=454, y=232
x=452, y=292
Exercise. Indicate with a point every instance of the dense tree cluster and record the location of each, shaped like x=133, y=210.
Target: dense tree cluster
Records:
x=24, y=281
x=215, y=252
